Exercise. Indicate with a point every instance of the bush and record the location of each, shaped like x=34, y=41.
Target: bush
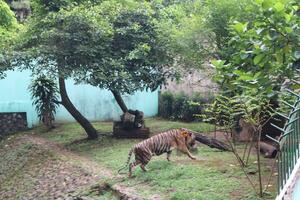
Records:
x=166, y=100
x=44, y=93
x=182, y=107
x=179, y=105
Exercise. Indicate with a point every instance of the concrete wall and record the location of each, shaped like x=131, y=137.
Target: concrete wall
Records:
x=94, y=103
x=193, y=81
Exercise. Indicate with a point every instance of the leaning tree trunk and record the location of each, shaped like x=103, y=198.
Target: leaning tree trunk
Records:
x=120, y=101
x=131, y=119
x=66, y=102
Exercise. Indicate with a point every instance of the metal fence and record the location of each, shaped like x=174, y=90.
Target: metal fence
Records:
x=289, y=149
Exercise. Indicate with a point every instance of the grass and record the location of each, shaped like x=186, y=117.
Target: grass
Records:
x=67, y=133
x=214, y=175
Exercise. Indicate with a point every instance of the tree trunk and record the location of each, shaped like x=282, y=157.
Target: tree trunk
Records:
x=66, y=102
x=120, y=101
x=258, y=163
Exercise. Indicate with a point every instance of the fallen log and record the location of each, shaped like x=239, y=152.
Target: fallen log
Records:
x=211, y=142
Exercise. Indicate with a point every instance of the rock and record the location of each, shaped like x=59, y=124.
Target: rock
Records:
x=12, y=122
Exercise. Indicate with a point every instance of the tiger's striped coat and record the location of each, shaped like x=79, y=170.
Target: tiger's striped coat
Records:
x=161, y=143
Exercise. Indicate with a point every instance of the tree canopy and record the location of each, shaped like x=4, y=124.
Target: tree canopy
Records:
x=114, y=45
x=8, y=25
x=8, y=31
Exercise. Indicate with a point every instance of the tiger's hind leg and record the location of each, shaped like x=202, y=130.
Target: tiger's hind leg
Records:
x=168, y=155
x=144, y=156
x=143, y=167
x=132, y=166
x=145, y=161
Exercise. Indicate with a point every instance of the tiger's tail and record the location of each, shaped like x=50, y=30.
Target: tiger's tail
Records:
x=128, y=160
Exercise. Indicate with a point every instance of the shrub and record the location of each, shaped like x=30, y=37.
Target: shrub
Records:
x=181, y=106
x=44, y=93
x=166, y=100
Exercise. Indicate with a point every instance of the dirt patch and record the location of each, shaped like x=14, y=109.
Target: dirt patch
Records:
x=87, y=164
x=31, y=171
x=45, y=170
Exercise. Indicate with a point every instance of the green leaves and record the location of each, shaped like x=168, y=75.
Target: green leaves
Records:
x=44, y=93
x=115, y=45
x=240, y=27
x=257, y=59
x=7, y=17
x=9, y=30
x=263, y=52
x=266, y=4
x=279, y=7
x=227, y=111
x=297, y=54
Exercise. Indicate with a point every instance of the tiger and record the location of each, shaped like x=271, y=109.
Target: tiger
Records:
x=165, y=142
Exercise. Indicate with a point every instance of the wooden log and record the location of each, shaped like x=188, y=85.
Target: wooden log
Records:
x=211, y=142
x=120, y=132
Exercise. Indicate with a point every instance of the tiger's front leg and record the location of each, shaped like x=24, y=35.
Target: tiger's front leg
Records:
x=186, y=151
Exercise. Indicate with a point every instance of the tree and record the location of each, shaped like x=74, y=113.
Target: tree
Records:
x=265, y=55
x=199, y=30
x=114, y=45
x=136, y=56
x=219, y=17
x=45, y=48
x=183, y=22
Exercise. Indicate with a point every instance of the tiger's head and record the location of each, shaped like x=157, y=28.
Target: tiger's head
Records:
x=190, y=138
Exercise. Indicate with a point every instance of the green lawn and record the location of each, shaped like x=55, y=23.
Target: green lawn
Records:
x=214, y=175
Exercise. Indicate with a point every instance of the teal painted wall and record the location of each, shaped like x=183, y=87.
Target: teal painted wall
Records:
x=93, y=103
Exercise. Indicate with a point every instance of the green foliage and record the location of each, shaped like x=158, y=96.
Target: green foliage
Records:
x=226, y=111
x=43, y=7
x=9, y=29
x=182, y=107
x=114, y=45
x=20, y=4
x=135, y=55
x=184, y=24
x=7, y=17
x=68, y=41
x=265, y=51
x=199, y=30
x=166, y=100
x=219, y=15
x=44, y=93
x=53, y=5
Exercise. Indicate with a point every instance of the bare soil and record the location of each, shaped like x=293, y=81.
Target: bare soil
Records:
x=64, y=176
